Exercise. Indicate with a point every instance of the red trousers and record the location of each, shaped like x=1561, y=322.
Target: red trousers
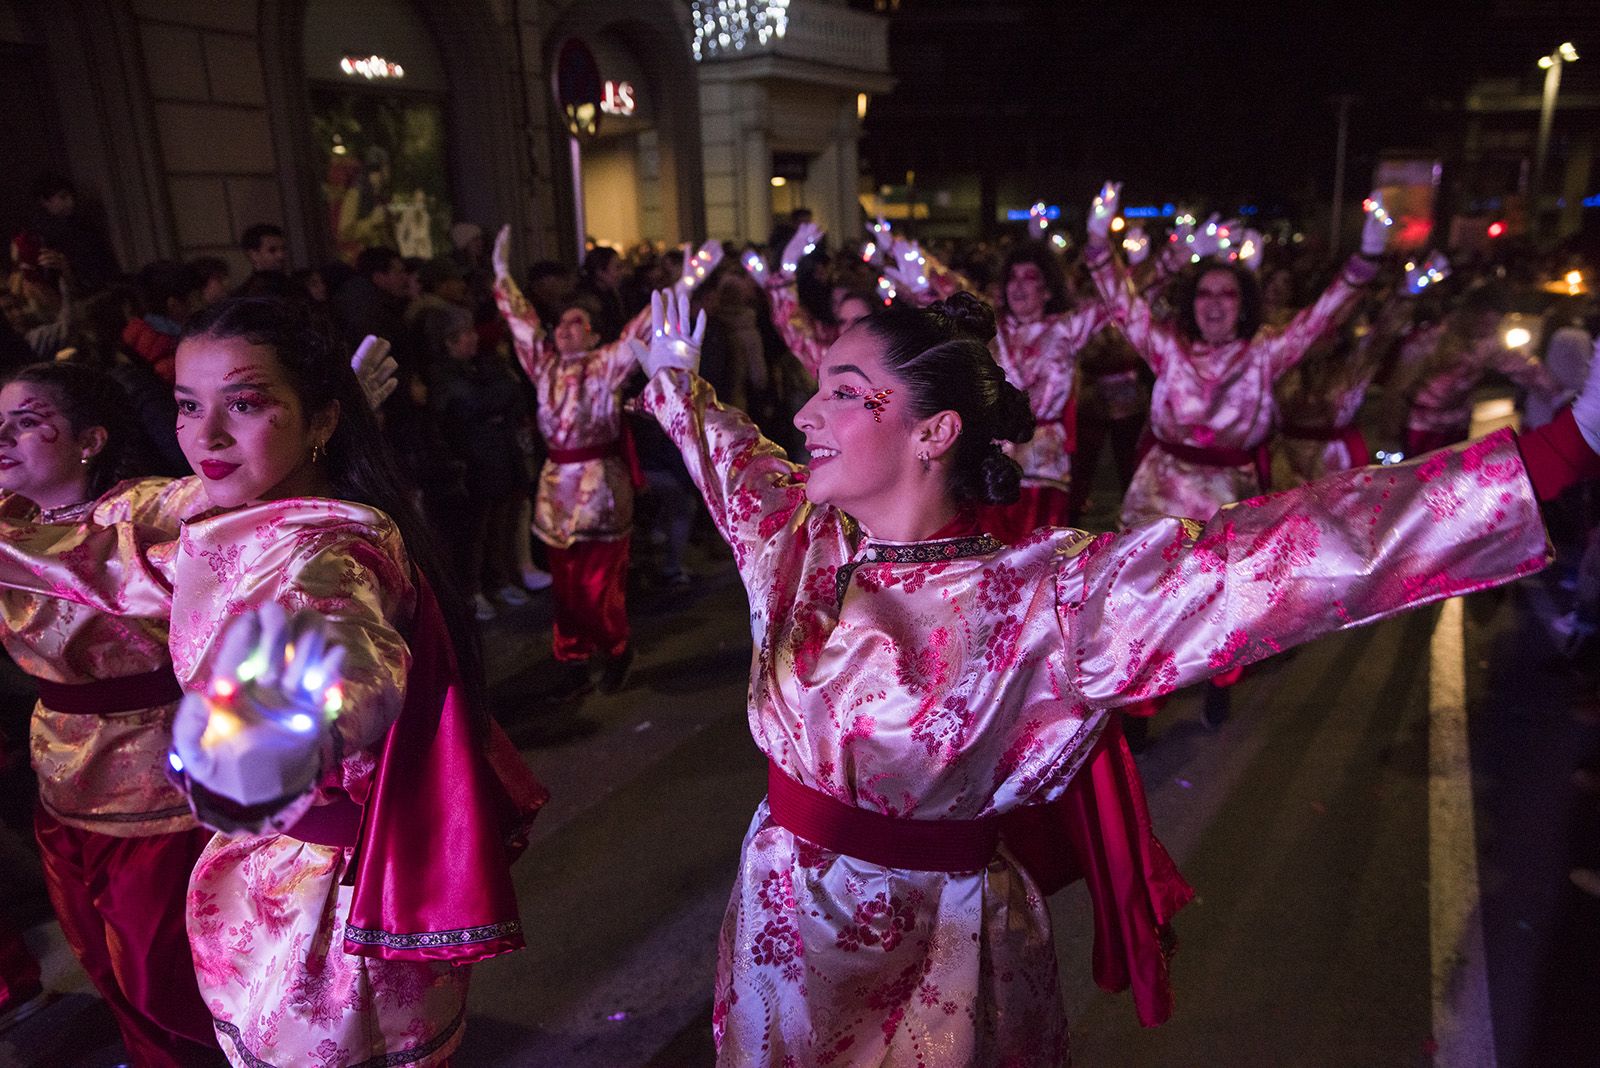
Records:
x=590, y=583
x=1036, y=506
x=120, y=902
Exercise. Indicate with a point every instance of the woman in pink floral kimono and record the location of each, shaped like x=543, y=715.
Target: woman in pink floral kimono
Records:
x=336, y=924
x=914, y=680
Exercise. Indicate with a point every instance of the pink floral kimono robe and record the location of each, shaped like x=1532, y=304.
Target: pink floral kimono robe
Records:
x=1212, y=397
x=960, y=678
x=266, y=912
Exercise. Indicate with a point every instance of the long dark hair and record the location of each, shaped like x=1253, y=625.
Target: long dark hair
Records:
x=1043, y=257
x=88, y=398
x=942, y=356
x=1187, y=285
x=358, y=466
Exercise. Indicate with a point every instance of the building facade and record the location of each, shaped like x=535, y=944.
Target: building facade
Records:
x=351, y=122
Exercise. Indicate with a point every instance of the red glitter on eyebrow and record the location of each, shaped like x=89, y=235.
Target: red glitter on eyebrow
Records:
x=238, y=371
x=37, y=406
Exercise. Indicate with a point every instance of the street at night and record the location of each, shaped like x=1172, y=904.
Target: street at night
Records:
x=799, y=534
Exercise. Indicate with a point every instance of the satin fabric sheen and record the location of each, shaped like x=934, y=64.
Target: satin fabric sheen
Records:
x=1449, y=368
x=969, y=686
x=1212, y=396
x=101, y=773
x=266, y=913
x=1041, y=359
x=590, y=583
x=579, y=407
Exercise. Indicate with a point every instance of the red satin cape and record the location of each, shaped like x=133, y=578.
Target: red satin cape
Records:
x=445, y=818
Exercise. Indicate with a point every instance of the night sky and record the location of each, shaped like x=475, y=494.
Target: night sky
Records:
x=1213, y=101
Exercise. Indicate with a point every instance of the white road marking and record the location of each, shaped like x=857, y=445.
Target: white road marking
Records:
x=1463, y=1025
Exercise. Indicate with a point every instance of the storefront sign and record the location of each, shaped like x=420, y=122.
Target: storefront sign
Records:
x=370, y=67
x=618, y=98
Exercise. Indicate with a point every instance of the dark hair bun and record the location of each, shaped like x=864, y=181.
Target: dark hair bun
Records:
x=1013, y=419
x=965, y=316
x=1001, y=477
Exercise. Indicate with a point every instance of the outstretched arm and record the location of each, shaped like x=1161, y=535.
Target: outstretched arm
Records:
x=1171, y=602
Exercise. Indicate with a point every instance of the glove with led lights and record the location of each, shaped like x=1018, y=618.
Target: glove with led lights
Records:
x=1375, y=230
x=254, y=742
x=673, y=343
x=1038, y=223
x=1430, y=272
x=756, y=265
x=1102, y=210
x=907, y=271
x=805, y=238
x=1136, y=245
x=697, y=266
x=1250, y=249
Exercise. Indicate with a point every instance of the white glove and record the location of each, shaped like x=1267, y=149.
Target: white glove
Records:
x=672, y=342
x=1375, y=231
x=907, y=269
x=1430, y=272
x=887, y=292
x=1586, y=409
x=1102, y=210
x=804, y=240
x=697, y=266
x=1136, y=245
x=756, y=265
x=1208, y=238
x=375, y=369
x=1037, y=222
x=1250, y=248
x=262, y=732
x=500, y=258
x=881, y=231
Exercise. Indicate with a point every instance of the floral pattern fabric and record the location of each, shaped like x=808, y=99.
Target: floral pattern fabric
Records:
x=959, y=685
x=1450, y=368
x=1212, y=396
x=1041, y=359
x=101, y=773
x=266, y=912
x=579, y=408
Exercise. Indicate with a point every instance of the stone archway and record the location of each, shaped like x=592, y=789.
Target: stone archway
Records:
x=656, y=36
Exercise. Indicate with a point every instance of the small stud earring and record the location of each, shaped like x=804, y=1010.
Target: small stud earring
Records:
x=927, y=464
x=83, y=460
x=316, y=453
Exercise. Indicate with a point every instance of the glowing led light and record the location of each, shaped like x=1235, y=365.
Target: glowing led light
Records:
x=314, y=680
x=371, y=67
x=224, y=688
x=1496, y=229
x=1517, y=337
x=333, y=701
x=779, y=181
x=1574, y=278
x=1058, y=240
x=175, y=762
x=869, y=250
x=301, y=722
x=1117, y=224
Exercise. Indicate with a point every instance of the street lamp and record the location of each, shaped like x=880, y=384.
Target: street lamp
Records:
x=1551, y=65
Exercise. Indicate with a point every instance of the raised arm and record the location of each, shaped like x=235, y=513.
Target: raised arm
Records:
x=1171, y=602
x=1329, y=312
x=1127, y=311
x=527, y=332
x=750, y=488
x=794, y=324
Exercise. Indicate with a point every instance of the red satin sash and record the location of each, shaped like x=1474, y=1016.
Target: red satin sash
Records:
x=106, y=697
x=889, y=841
x=1259, y=457
x=1099, y=831
x=443, y=822
x=622, y=447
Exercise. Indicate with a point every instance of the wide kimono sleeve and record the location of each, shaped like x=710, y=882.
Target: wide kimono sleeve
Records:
x=361, y=587
x=754, y=493
x=1155, y=342
x=121, y=570
x=1322, y=318
x=796, y=327
x=527, y=332
x=1171, y=602
x=1053, y=367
